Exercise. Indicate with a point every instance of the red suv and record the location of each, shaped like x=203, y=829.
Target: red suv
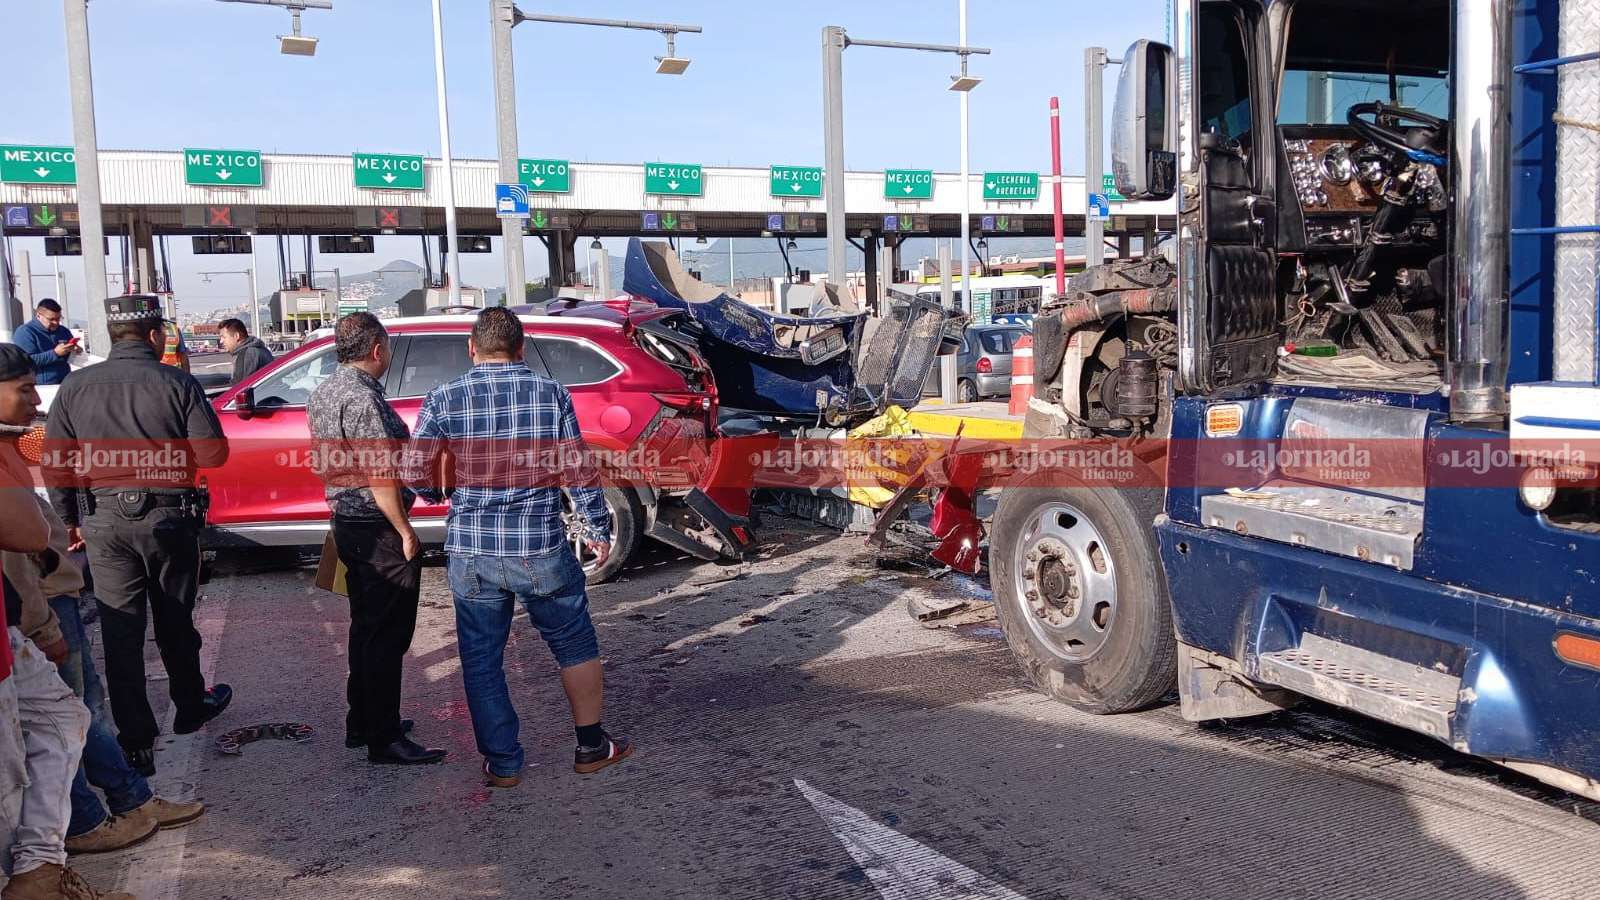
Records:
x=635, y=387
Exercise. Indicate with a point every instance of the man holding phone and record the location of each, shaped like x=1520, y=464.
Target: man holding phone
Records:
x=47, y=342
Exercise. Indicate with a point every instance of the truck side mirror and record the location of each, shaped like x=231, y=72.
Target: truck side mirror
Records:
x=244, y=403
x=1144, y=126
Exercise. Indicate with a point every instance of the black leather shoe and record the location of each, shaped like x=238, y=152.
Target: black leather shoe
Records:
x=142, y=761
x=355, y=739
x=405, y=752
x=217, y=700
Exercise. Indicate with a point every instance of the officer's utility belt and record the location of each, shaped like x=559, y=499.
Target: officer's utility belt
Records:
x=135, y=504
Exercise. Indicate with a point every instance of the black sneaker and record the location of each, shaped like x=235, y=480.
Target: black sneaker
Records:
x=588, y=760
x=217, y=700
x=142, y=761
x=355, y=739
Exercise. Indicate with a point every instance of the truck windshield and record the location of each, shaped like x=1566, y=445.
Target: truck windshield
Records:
x=1321, y=97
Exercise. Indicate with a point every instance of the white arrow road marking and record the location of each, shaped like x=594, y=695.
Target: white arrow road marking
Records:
x=389, y=177
x=224, y=174
x=538, y=182
x=672, y=185
x=41, y=171
x=899, y=867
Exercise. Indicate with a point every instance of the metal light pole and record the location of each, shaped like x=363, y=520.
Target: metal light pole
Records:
x=91, y=228
x=449, y=161
x=255, y=292
x=965, y=303
x=504, y=16
x=834, y=42
x=1095, y=61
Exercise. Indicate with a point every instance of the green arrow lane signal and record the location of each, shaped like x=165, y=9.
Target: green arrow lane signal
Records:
x=44, y=217
x=539, y=218
x=669, y=221
x=24, y=164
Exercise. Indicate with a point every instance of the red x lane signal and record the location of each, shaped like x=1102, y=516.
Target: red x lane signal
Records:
x=388, y=217
x=219, y=217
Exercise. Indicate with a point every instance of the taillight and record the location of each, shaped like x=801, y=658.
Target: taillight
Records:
x=685, y=402
x=985, y=365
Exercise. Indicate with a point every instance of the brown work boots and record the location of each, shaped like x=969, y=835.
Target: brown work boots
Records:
x=135, y=827
x=53, y=882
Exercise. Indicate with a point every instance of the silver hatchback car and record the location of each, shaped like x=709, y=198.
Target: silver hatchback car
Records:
x=983, y=368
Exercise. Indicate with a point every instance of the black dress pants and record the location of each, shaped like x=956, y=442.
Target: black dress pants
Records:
x=383, y=589
x=146, y=567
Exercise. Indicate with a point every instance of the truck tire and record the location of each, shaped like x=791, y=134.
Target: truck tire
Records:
x=1081, y=598
x=627, y=528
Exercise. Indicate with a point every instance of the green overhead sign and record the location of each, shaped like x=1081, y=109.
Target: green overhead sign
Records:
x=388, y=171
x=545, y=176
x=1011, y=185
x=797, y=181
x=908, y=184
x=232, y=168
x=38, y=165
x=1109, y=188
x=673, y=179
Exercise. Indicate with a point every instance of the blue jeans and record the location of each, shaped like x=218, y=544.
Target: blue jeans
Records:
x=486, y=591
x=103, y=763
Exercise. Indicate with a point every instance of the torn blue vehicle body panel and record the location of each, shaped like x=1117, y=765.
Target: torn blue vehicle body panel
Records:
x=764, y=362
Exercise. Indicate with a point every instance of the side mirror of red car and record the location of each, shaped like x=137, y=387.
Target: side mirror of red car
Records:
x=244, y=403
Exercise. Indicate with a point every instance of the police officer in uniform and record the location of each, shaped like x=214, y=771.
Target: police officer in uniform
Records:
x=123, y=441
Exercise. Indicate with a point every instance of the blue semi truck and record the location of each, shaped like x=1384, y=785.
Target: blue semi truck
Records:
x=1368, y=368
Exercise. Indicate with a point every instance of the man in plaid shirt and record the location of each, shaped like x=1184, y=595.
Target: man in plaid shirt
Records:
x=512, y=443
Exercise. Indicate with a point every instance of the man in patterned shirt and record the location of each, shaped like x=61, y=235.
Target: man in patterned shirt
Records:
x=356, y=440
x=513, y=439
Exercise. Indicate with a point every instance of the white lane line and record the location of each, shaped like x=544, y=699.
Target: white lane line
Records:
x=899, y=867
x=155, y=870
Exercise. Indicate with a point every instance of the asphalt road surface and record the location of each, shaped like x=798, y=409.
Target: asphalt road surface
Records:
x=801, y=736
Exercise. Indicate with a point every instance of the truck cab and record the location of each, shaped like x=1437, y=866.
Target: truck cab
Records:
x=1363, y=383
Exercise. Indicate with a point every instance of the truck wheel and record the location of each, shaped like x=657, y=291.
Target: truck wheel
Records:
x=1081, y=598
x=627, y=527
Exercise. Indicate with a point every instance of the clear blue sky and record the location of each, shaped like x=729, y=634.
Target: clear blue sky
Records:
x=176, y=73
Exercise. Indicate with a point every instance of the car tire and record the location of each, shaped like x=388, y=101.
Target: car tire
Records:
x=627, y=529
x=1063, y=541
x=966, y=391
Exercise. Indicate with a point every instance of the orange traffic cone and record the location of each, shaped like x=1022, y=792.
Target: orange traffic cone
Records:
x=1021, y=374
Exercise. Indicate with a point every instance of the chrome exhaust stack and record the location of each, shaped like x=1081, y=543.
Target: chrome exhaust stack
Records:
x=1479, y=165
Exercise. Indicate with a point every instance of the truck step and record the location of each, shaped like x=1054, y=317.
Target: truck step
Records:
x=1382, y=687
x=1361, y=526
